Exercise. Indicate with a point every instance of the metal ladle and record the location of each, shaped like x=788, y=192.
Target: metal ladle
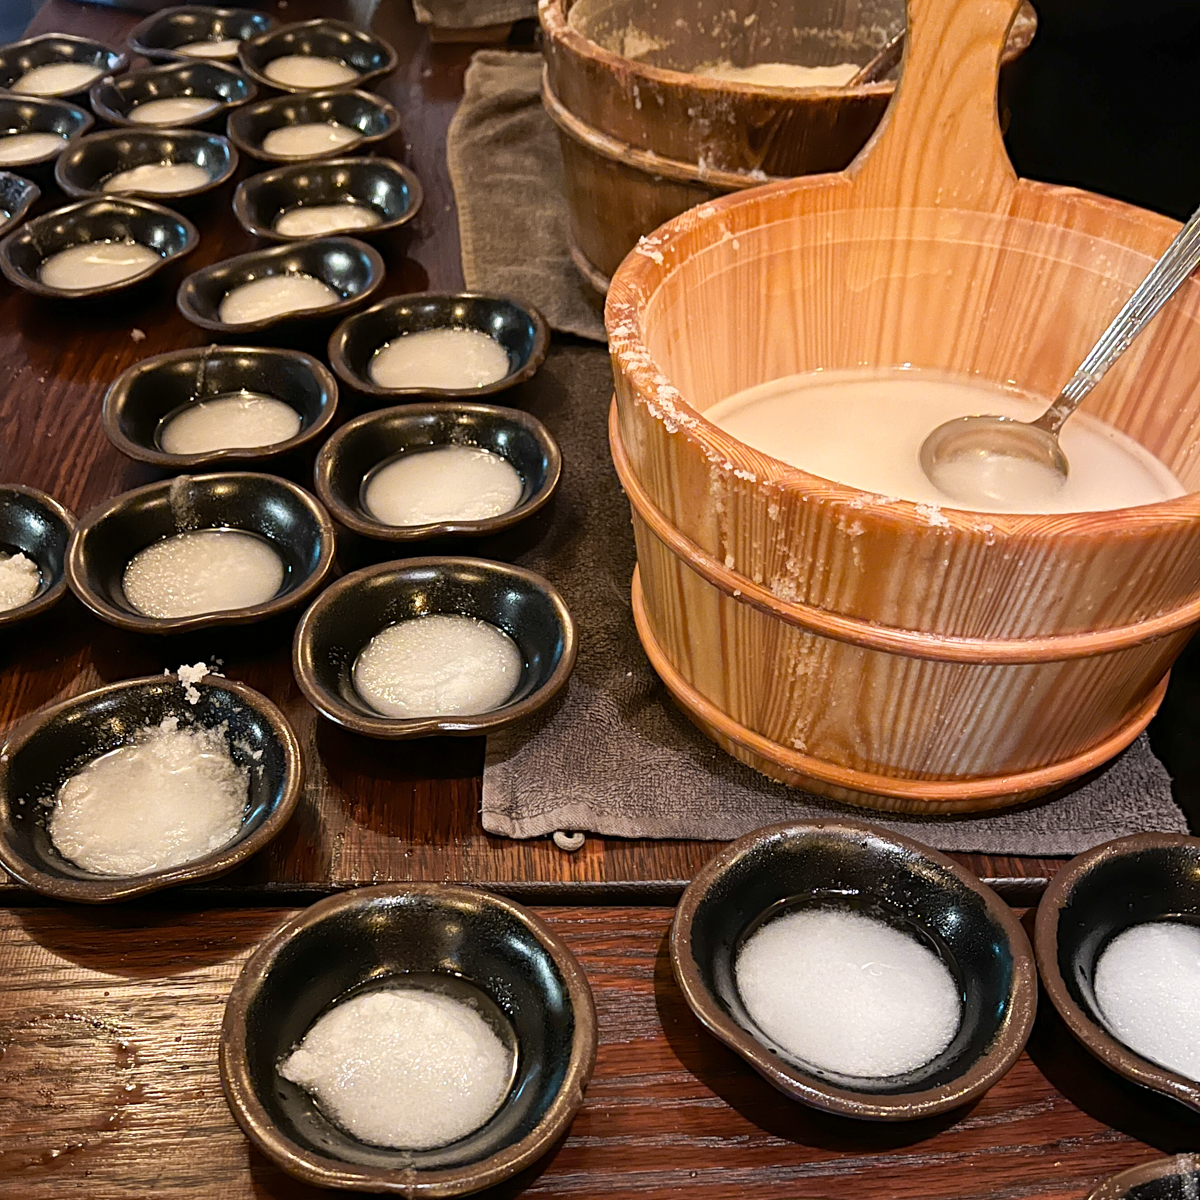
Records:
x=999, y=460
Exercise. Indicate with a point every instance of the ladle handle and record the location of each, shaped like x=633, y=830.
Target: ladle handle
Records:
x=1164, y=280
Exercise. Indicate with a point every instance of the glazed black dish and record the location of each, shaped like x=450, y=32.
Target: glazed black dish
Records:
x=36, y=525
x=350, y=267
x=472, y=946
x=347, y=615
x=391, y=191
x=17, y=197
x=296, y=526
x=53, y=744
x=521, y=330
x=371, y=57
x=140, y=400
x=27, y=114
x=1175, y=1178
x=371, y=117
x=859, y=867
x=369, y=442
x=161, y=35
x=114, y=100
x=46, y=49
x=24, y=250
x=1096, y=896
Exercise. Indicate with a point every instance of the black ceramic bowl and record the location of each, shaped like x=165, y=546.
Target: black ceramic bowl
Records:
x=297, y=527
x=24, y=250
x=141, y=398
x=113, y=100
x=56, y=742
x=350, y=267
x=1175, y=1178
x=20, y=114
x=371, y=117
x=362, y=52
x=860, y=867
x=91, y=161
x=162, y=34
x=48, y=48
x=370, y=441
x=521, y=330
x=393, y=192
x=17, y=197
x=345, y=617
x=465, y=943
x=1099, y=894
x=34, y=524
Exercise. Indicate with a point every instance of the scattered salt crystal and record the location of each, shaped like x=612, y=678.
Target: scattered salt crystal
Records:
x=20, y=580
x=138, y=335
x=189, y=677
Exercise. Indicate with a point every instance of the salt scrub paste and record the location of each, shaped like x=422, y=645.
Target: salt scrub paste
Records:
x=219, y=48
x=439, y=358
x=20, y=580
x=232, y=421
x=404, y=1068
x=308, y=140
x=865, y=428
x=444, y=483
x=172, y=109
x=1147, y=984
x=55, y=79
x=847, y=993
x=95, y=264
x=781, y=74
x=161, y=179
x=309, y=71
x=16, y=148
x=314, y=220
x=273, y=296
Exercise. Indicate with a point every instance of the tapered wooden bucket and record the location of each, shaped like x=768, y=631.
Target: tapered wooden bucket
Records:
x=885, y=653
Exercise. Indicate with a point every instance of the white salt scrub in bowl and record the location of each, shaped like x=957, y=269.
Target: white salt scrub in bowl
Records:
x=56, y=79
x=18, y=148
x=314, y=220
x=161, y=179
x=96, y=264
x=229, y=421
x=308, y=139
x=216, y=48
x=439, y=358
x=274, y=296
x=442, y=483
x=309, y=71
x=20, y=580
x=172, y=109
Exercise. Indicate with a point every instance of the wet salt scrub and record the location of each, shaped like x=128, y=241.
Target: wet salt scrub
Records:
x=95, y=264
x=55, y=79
x=217, y=48
x=169, y=797
x=403, y=1067
x=20, y=580
x=309, y=71
x=442, y=483
x=848, y=993
x=438, y=666
x=210, y=570
x=16, y=148
x=172, y=109
x=308, y=139
x=273, y=296
x=781, y=74
x=233, y=420
x=439, y=358
x=1147, y=985
x=313, y=220
x=162, y=179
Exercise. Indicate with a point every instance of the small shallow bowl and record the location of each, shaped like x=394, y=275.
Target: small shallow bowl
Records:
x=1175, y=1178
x=521, y=330
x=392, y=191
x=465, y=943
x=161, y=34
x=345, y=617
x=141, y=397
x=54, y=743
x=369, y=441
x=17, y=197
x=350, y=267
x=372, y=117
x=39, y=527
x=24, y=250
x=21, y=114
x=859, y=867
x=297, y=527
x=114, y=99
x=1099, y=894
x=83, y=169
x=18, y=57
x=367, y=54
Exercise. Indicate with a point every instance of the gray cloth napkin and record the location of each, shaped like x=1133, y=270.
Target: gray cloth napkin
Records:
x=472, y=14
x=614, y=755
x=507, y=173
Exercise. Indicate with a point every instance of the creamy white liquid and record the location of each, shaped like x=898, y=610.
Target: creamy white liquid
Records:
x=848, y=993
x=172, y=109
x=865, y=428
x=237, y=420
x=442, y=483
x=309, y=139
x=211, y=570
x=220, y=48
x=309, y=71
x=160, y=179
x=439, y=358
x=20, y=580
x=26, y=147
x=169, y=797
x=314, y=220
x=54, y=79
x=95, y=264
x=781, y=74
x=438, y=666
x=404, y=1068
x=274, y=295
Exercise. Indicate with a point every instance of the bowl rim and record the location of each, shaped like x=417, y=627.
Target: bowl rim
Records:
x=365, y=385
x=161, y=458
x=123, y=121
x=120, y=64
x=1086, y=1030
x=416, y=194
x=49, y=101
x=357, y=521
x=55, y=592
x=32, y=193
x=163, y=54
x=334, y=709
x=984, y=1071
x=76, y=563
x=1119, y=1186
x=327, y=1172
x=392, y=58
x=109, y=889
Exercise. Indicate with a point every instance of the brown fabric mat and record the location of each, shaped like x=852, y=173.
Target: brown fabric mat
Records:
x=614, y=755
x=472, y=14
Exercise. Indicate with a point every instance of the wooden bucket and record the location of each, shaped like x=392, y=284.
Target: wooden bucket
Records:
x=643, y=141
x=890, y=655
